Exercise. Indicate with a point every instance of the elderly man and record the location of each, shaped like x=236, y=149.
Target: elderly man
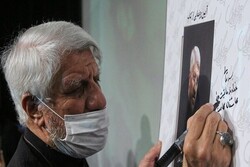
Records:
x=52, y=71
x=194, y=73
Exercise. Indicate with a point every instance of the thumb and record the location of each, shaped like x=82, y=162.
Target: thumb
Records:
x=151, y=156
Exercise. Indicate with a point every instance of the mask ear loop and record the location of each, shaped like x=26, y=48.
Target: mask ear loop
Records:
x=50, y=108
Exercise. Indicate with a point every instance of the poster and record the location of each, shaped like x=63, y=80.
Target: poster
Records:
x=222, y=28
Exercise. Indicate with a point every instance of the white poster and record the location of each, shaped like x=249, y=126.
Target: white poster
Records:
x=216, y=34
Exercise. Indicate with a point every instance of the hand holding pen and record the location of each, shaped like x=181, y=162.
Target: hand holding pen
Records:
x=203, y=141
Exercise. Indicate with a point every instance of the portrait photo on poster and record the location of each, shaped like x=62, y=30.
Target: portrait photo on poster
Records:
x=195, y=73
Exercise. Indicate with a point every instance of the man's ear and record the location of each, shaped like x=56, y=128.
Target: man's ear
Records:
x=30, y=106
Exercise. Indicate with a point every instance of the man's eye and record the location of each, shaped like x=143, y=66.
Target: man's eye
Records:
x=72, y=91
x=97, y=80
x=77, y=90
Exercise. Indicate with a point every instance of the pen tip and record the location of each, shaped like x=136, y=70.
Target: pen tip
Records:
x=216, y=105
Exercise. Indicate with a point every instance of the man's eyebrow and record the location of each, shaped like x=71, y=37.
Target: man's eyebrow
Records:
x=73, y=82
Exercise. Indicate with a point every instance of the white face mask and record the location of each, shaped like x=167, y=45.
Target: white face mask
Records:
x=86, y=133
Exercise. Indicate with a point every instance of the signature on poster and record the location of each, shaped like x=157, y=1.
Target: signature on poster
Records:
x=199, y=14
x=226, y=96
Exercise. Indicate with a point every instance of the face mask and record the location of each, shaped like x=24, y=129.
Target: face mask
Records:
x=86, y=133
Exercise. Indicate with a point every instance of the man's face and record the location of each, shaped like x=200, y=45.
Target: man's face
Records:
x=76, y=90
x=193, y=83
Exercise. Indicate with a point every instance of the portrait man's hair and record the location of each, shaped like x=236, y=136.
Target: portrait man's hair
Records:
x=194, y=74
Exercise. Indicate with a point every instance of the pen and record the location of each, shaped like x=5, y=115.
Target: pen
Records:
x=172, y=152
x=176, y=148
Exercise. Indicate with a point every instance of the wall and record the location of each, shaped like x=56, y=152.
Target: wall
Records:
x=131, y=35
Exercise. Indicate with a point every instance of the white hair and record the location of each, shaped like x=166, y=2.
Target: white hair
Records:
x=195, y=57
x=34, y=58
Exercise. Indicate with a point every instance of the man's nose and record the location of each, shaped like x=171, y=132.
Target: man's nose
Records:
x=95, y=99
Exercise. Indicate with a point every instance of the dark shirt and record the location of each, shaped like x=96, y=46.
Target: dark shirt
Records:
x=33, y=152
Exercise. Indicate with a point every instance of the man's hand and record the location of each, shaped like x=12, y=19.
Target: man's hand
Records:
x=151, y=156
x=202, y=145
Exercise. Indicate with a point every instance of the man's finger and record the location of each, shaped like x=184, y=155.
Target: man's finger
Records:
x=198, y=121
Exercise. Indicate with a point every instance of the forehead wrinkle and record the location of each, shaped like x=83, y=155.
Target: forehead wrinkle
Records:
x=73, y=75
x=94, y=68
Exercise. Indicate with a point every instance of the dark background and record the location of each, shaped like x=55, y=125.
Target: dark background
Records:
x=17, y=15
x=200, y=35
